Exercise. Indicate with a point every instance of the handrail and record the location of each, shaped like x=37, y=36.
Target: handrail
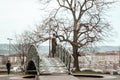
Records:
x=64, y=55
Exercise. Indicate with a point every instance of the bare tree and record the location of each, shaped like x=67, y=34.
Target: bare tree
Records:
x=27, y=38
x=78, y=22
x=23, y=42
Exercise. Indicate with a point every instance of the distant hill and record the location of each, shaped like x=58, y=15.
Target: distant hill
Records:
x=4, y=49
x=107, y=48
x=45, y=49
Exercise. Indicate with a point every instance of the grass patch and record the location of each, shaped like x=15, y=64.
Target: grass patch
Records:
x=87, y=72
x=5, y=72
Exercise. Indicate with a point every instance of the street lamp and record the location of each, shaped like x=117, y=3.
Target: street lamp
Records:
x=9, y=39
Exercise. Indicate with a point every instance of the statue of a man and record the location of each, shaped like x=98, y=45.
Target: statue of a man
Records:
x=54, y=45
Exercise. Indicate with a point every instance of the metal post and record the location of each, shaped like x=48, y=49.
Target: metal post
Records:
x=119, y=56
x=38, y=72
x=9, y=39
x=49, y=41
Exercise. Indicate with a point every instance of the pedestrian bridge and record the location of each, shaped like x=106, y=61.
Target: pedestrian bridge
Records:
x=37, y=63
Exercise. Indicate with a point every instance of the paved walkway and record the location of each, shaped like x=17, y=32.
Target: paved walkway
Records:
x=70, y=77
x=58, y=77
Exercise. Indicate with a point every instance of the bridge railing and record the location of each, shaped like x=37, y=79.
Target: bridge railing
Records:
x=65, y=56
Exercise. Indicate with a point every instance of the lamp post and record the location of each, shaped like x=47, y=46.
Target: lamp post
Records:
x=49, y=41
x=118, y=56
x=9, y=39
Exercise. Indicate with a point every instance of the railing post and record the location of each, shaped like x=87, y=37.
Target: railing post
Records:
x=69, y=65
x=58, y=52
x=65, y=57
x=61, y=53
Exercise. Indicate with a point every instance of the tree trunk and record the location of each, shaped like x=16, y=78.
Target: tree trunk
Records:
x=75, y=48
x=75, y=55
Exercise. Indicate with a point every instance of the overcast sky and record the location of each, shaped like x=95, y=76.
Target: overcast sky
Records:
x=19, y=15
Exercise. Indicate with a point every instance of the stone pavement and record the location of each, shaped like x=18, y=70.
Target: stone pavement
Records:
x=70, y=77
x=57, y=77
x=106, y=77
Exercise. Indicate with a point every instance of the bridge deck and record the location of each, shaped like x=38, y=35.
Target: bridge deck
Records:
x=58, y=77
x=52, y=65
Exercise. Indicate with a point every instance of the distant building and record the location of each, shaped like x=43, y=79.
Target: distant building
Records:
x=3, y=59
x=15, y=59
x=106, y=60
x=9, y=54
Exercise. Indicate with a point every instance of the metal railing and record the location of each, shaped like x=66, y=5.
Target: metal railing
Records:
x=65, y=56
